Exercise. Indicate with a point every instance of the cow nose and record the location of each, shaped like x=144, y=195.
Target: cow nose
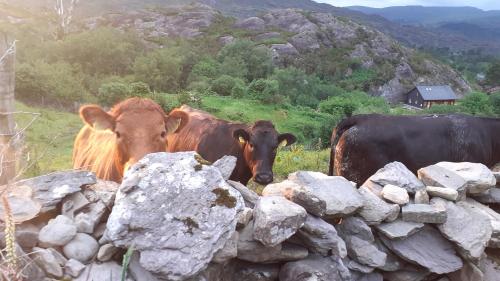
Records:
x=264, y=178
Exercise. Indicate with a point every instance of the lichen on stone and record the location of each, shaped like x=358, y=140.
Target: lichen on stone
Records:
x=224, y=198
x=190, y=224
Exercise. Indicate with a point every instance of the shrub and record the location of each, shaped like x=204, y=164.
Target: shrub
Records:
x=224, y=85
x=161, y=69
x=113, y=92
x=51, y=84
x=477, y=103
x=265, y=90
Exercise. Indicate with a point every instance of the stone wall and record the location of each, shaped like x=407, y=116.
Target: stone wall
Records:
x=185, y=221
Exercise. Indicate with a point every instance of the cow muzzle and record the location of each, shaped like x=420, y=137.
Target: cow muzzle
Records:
x=264, y=178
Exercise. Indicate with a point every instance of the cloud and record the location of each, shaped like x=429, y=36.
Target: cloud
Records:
x=482, y=4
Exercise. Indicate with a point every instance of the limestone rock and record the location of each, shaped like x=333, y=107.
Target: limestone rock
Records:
x=468, y=272
x=364, y=252
x=423, y=213
x=58, y=232
x=426, y=248
x=171, y=184
x=82, y=248
x=395, y=173
x=376, y=210
x=319, y=194
x=276, y=219
x=421, y=197
x=249, y=196
x=399, y=229
x=438, y=176
x=477, y=176
x=494, y=218
x=442, y=192
x=252, y=23
x=225, y=165
x=321, y=237
x=229, y=251
x=491, y=196
x=395, y=194
x=73, y=268
x=23, y=206
x=244, y=217
x=467, y=227
x=73, y=203
x=50, y=189
x=354, y=226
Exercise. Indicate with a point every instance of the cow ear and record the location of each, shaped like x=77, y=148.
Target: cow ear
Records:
x=97, y=118
x=286, y=139
x=241, y=135
x=175, y=121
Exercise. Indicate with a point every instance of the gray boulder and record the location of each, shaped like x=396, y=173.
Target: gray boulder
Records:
x=229, y=251
x=22, y=205
x=276, y=219
x=50, y=189
x=354, y=226
x=82, y=248
x=397, y=174
x=477, y=176
x=321, y=237
x=225, y=165
x=376, y=210
x=399, y=229
x=171, y=184
x=467, y=227
x=491, y=196
x=248, y=195
x=428, y=249
x=494, y=218
x=364, y=252
x=424, y=213
x=438, y=176
x=315, y=267
x=58, y=232
x=319, y=194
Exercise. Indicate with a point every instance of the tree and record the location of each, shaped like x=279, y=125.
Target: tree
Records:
x=64, y=15
x=477, y=103
x=265, y=90
x=161, y=69
x=493, y=74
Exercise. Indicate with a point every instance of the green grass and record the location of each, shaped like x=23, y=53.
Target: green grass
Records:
x=49, y=139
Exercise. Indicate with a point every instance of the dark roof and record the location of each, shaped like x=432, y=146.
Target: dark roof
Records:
x=437, y=93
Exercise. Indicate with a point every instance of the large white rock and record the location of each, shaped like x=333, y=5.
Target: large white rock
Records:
x=276, y=219
x=395, y=194
x=58, y=232
x=172, y=208
x=319, y=194
x=435, y=175
x=442, y=192
x=477, y=176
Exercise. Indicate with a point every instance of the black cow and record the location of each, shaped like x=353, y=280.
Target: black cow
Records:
x=363, y=144
x=254, y=146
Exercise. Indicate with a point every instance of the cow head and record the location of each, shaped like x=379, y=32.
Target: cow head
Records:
x=140, y=126
x=260, y=143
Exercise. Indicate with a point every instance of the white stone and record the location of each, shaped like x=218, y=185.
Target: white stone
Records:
x=58, y=232
x=82, y=248
x=395, y=194
x=442, y=192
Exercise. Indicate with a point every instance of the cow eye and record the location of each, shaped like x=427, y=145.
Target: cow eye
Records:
x=118, y=135
x=163, y=134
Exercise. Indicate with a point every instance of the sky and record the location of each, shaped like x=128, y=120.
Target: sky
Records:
x=482, y=4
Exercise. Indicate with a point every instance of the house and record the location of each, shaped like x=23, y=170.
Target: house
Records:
x=427, y=96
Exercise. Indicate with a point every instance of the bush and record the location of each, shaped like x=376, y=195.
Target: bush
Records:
x=355, y=102
x=495, y=102
x=239, y=90
x=113, y=92
x=161, y=69
x=265, y=90
x=50, y=84
x=224, y=85
x=477, y=104
x=493, y=74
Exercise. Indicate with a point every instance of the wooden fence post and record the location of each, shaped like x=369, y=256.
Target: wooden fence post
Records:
x=7, y=124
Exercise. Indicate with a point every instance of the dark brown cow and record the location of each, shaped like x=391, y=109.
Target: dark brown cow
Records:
x=254, y=146
x=363, y=144
x=112, y=141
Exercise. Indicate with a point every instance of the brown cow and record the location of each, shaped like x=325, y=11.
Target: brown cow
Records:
x=254, y=146
x=112, y=141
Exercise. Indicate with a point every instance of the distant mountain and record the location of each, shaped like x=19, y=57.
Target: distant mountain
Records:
x=471, y=23
x=419, y=15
